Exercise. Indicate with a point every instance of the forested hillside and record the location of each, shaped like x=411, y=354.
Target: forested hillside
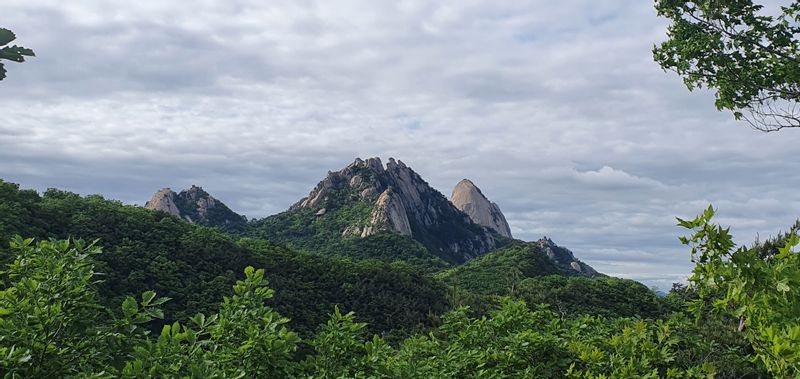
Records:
x=529, y=314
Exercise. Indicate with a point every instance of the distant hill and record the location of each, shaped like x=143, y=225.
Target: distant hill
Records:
x=542, y=272
x=498, y=271
x=196, y=206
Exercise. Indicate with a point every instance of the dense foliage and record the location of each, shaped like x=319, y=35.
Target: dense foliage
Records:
x=605, y=296
x=749, y=55
x=761, y=292
x=55, y=330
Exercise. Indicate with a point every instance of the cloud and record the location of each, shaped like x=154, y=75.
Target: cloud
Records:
x=557, y=112
x=611, y=178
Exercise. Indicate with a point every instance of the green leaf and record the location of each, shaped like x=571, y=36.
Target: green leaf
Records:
x=783, y=286
x=11, y=54
x=155, y=313
x=147, y=297
x=129, y=307
x=159, y=301
x=25, y=51
x=24, y=359
x=6, y=36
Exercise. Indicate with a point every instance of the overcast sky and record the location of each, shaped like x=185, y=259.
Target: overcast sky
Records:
x=554, y=109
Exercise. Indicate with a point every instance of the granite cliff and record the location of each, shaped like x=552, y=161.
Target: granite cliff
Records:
x=469, y=199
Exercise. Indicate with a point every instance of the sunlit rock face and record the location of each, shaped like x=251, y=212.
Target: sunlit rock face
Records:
x=401, y=202
x=469, y=199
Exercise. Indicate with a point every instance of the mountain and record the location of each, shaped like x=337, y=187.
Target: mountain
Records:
x=366, y=199
x=196, y=206
x=469, y=199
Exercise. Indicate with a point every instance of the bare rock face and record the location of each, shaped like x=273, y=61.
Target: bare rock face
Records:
x=565, y=258
x=164, y=201
x=388, y=214
x=400, y=202
x=195, y=205
x=469, y=199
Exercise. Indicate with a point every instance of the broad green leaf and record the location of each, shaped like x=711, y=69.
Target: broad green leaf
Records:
x=147, y=296
x=6, y=36
x=129, y=307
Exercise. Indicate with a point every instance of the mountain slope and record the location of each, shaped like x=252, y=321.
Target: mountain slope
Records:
x=542, y=272
x=365, y=199
x=196, y=206
x=497, y=271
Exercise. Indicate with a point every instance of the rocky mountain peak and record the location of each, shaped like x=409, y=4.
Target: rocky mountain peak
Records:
x=399, y=201
x=468, y=198
x=195, y=205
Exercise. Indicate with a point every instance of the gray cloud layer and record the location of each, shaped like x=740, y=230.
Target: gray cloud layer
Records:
x=557, y=112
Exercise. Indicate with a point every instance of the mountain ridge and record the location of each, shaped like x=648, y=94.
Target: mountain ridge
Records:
x=366, y=200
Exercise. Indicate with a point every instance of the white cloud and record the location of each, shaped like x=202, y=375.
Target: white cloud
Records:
x=611, y=178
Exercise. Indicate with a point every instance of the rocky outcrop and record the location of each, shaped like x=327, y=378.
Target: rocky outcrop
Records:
x=469, y=199
x=401, y=202
x=164, y=201
x=564, y=258
x=195, y=205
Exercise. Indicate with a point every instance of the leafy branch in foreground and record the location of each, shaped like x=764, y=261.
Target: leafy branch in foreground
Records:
x=763, y=292
x=735, y=47
x=51, y=320
x=12, y=53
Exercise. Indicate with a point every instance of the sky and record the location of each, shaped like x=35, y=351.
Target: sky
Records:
x=555, y=110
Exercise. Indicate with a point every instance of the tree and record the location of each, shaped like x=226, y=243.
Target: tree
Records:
x=761, y=292
x=52, y=324
x=736, y=47
x=12, y=53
